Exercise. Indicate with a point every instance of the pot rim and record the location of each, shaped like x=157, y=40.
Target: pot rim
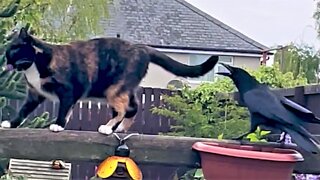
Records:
x=248, y=151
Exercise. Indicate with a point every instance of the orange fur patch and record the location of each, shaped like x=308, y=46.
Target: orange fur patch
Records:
x=119, y=101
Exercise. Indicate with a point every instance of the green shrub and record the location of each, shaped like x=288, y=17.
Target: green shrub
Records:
x=209, y=109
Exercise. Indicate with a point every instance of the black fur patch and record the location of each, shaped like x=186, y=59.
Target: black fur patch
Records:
x=108, y=68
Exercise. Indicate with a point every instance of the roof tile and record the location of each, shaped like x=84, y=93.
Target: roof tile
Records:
x=173, y=23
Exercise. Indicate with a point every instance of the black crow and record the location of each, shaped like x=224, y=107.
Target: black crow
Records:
x=271, y=110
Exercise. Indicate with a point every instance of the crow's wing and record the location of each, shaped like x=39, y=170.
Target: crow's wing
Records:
x=305, y=141
x=305, y=114
x=266, y=103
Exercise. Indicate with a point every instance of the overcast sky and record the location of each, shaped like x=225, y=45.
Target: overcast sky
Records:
x=270, y=22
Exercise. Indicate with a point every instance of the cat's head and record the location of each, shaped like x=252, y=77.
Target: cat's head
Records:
x=20, y=52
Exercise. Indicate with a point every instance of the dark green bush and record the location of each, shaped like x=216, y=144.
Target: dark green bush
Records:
x=209, y=110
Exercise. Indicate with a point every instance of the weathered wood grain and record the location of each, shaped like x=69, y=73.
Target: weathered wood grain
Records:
x=41, y=144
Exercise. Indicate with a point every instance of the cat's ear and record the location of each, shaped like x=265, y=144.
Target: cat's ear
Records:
x=24, y=35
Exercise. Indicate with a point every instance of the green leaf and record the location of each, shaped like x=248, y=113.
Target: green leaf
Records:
x=263, y=133
x=254, y=139
x=45, y=116
x=252, y=136
x=198, y=174
x=258, y=130
x=220, y=136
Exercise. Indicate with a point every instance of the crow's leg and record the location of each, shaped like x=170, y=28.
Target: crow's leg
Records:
x=282, y=138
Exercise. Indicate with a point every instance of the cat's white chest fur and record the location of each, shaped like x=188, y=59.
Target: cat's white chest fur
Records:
x=33, y=77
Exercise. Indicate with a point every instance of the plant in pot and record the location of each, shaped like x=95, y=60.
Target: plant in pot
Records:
x=226, y=160
x=209, y=110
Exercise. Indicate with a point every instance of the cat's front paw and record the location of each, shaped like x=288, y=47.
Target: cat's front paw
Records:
x=105, y=129
x=55, y=128
x=5, y=124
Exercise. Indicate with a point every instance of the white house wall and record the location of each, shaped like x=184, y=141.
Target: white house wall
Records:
x=248, y=62
x=159, y=78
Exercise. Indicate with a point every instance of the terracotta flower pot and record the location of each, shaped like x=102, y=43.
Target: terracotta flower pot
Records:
x=232, y=161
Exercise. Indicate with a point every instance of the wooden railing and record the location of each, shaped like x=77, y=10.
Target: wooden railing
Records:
x=159, y=157
x=89, y=115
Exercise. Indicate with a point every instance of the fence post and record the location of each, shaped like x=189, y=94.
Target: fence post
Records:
x=299, y=96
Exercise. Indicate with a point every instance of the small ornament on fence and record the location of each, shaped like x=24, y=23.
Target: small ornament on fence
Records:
x=120, y=164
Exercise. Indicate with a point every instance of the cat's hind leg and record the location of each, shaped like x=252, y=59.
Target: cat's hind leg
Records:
x=131, y=112
x=119, y=101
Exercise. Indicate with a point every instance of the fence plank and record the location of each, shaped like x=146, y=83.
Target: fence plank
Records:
x=109, y=113
x=165, y=122
x=84, y=121
x=74, y=121
x=94, y=116
x=75, y=170
x=155, y=120
x=139, y=121
x=103, y=114
x=41, y=108
x=49, y=108
x=14, y=104
x=299, y=95
x=56, y=108
x=85, y=117
x=148, y=126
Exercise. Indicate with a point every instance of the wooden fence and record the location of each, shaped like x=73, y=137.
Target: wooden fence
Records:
x=89, y=115
x=153, y=153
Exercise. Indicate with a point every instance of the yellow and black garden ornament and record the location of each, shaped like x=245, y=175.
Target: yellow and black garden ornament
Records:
x=120, y=164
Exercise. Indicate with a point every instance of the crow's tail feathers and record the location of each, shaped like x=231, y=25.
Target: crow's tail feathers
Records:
x=304, y=141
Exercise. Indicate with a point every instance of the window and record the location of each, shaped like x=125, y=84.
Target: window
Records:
x=196, y=59
x=226, y=60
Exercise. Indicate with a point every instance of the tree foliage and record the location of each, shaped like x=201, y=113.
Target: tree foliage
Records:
x=57, y=21
x=53, y=20
x=209, y=110
x=301, y=60
x=316, y=16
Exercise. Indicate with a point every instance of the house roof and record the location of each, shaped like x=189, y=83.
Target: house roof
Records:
x=174, y=24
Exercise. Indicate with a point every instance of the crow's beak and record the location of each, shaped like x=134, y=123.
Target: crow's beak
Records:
x=227, y=71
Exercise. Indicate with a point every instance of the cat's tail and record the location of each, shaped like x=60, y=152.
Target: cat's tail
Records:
x=180, y=69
